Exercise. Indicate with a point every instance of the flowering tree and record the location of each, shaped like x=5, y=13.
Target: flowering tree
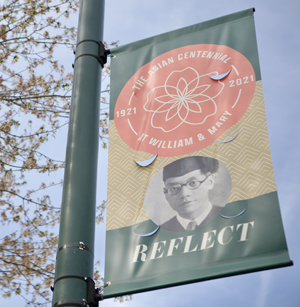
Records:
x=34, y=106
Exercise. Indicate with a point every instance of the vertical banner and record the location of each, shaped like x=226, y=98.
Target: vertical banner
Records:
x=191, y=189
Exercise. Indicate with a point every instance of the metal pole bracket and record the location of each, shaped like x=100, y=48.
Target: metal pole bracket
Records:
x=93, y=294
x=80, y=246
x=102, y=52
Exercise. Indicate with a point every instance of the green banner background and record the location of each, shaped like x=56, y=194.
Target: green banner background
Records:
x=250, y=242
x=236, y=31
x=261, y=247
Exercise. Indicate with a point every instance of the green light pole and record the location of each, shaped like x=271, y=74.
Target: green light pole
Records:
x=73, y=285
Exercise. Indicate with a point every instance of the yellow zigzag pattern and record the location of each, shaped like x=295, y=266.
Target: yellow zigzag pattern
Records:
x=247, y=158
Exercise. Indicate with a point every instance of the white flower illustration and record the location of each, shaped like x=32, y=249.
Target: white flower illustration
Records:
x=185, y=97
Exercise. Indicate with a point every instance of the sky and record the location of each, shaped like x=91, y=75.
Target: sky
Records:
x=277, y=24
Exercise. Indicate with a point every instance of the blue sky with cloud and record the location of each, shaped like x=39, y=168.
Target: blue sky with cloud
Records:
x=277, y=25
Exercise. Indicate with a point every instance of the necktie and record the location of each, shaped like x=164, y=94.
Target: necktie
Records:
x=191, y=226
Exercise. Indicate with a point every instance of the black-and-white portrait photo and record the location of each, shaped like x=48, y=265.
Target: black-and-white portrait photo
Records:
x=187, y=193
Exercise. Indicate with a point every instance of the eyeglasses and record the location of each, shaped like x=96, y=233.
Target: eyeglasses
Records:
x=191, y=185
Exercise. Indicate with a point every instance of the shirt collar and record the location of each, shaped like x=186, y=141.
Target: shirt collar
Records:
x=184, y=222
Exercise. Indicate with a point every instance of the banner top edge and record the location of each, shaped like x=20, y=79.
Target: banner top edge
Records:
x=182, y=31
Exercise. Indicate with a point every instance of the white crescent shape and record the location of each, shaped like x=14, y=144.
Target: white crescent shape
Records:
x=220, y=77
x=148, y=234
x=227, y=140
x=231, y=217
x=146, y=162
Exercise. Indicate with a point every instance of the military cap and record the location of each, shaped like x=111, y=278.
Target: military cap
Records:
x=186, y=165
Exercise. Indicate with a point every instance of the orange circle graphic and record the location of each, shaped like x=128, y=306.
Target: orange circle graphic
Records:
x=184, y=99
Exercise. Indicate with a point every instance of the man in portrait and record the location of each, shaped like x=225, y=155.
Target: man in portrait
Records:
x=187, y=183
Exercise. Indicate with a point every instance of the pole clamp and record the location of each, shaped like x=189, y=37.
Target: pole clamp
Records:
x=94, y=295
x=71, y=302
x=102, y=52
